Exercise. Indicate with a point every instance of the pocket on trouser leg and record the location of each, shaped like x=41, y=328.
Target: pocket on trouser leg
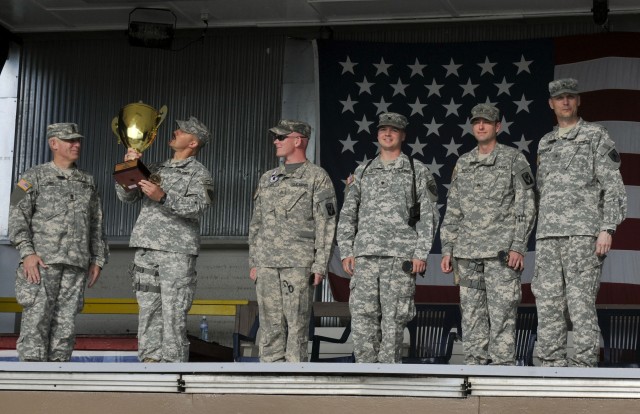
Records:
x=405, y=309
x=26, y=293
x=589, y=271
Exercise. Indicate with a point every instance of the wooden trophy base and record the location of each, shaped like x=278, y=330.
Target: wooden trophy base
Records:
x=128, y=174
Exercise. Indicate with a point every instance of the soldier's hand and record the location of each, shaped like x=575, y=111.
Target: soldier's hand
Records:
x=151, y=190
x=349, y=264
x=603, y=243
x=419, y=266
x=317, y=279
x=253, y=274
x=31, y=268
x=94, y=274
x=516, y=260
x=445, y=264
x=132, y=155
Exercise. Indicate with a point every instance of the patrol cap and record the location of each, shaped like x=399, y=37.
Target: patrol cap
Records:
x=485, y=111
x=64, y=131
x=287, y=126
x=560, y=86
x=392, y=119
x=195, y=127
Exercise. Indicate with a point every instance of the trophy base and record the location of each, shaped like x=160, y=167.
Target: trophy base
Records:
x=128, y=174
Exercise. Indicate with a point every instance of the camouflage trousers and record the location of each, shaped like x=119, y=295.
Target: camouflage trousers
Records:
x=164, y=284
x=567, y=279
x=47, y=331
x=489, y=309
x=381, y=305
x=285, y=297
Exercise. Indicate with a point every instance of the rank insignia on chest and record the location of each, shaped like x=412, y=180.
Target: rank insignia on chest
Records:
x=274, y=177
x=24, y=184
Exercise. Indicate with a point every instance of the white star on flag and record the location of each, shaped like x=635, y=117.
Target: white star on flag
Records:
x=382, y=106
x=452, y=68
x=382, y=67
x=487, y=67
x=416, y=68
x=416, y=107
x=523, y=65
x=467, y=127
x=434, y=167
x=523, y=104
x=503, y=87
x=399, y=88
x=469, y=88
x=433, y=127
x=363, y=125
x=348, y=105
x=452, y=148
x=452, y=108
x=365, y=86
x=417, y=147
x=347, y=144
x=348, y=66
x=504, y=126
x=523, y=144
x=434, y=88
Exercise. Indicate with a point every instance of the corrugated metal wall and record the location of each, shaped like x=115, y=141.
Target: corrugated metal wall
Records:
x=232, y=81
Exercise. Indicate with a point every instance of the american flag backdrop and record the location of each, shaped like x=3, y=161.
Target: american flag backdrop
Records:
x=436, y=85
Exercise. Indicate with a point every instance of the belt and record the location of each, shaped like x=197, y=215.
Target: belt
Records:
x=473, y=284
x=140, y=269
x=475, y=265
x=146, y=288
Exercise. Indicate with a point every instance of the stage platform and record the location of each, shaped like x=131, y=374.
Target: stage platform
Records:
x=316, y=387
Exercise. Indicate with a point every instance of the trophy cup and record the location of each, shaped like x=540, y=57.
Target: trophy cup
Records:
x=136, y=127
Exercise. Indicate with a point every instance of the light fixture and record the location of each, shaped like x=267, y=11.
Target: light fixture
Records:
x=156, y=33
x=600, y=12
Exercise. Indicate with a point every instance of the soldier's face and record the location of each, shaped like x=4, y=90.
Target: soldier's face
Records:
x=565, y=106
x=286, y=146
x=390, y=138
x=484, y=130
x=66, y=149
x=181, y=140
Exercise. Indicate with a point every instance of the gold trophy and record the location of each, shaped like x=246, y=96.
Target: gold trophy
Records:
x=136, y=126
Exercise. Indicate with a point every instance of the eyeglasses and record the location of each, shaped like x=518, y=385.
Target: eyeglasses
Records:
x=283, y=137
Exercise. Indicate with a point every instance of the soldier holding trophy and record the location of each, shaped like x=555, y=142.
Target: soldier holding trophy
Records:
x=166, y=235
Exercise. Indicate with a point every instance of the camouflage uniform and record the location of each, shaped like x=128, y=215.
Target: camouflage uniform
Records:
x=57, y=216
x=581, y=194
x=374, y=229
x=167, y=238
x=490, y=208
x=290, y=238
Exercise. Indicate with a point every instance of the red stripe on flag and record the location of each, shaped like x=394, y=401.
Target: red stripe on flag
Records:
x=609, y=293
x=610, y=105
x=630, y=169
x=626, y=237
x=572, y=48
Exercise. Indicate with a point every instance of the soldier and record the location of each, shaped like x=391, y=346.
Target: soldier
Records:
x=290, y=240
x=55, y=221
x=582, y=201
x=167, y=238
x=385, y=233
x=490, y=216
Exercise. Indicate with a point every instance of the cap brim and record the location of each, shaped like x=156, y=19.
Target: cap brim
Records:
x=483, y=117
x=390, y=124
x=70, y=136
x=279, y=131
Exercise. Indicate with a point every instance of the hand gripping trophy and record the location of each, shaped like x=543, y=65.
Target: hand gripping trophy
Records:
x=136, y=126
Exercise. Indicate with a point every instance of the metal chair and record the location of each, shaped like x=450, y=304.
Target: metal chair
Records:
x=526, y=334
x=620, y=329
x=250, y=338
x=430, y=334
x=340, y=291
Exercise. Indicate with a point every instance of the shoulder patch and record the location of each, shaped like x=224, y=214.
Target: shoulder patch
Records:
x=526, y=178
x=330, y=208
x=24, y=184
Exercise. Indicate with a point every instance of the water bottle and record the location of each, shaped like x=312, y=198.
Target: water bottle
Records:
x=204, y=329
